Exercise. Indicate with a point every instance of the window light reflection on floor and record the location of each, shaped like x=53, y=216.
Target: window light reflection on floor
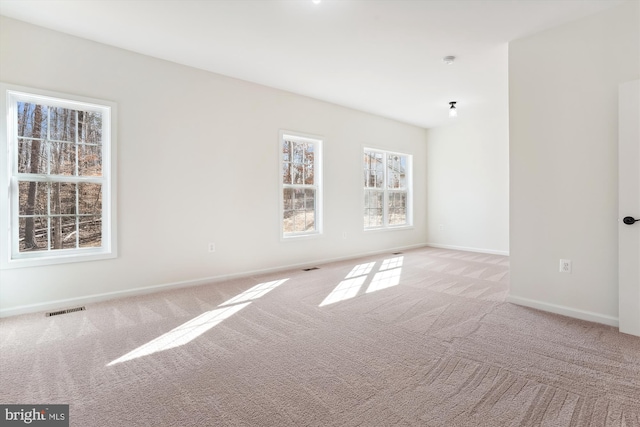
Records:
x=197, y=326
x=388, y=275
x=254, y=293
x=390, y=263
x=349, y=287
x=346, y=289
x=385, y=279
x=184, y=333
x=361, y=270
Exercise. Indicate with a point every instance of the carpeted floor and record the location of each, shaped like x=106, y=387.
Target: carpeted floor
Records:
x=422, y=338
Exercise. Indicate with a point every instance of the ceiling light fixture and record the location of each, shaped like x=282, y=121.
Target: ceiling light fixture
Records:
x=449, y=59
x=316, y=1
x=453, y=112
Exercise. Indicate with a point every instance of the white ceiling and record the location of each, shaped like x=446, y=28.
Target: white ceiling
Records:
x=379, y=56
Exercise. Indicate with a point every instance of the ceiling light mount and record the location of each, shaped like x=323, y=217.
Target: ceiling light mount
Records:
x=453, y=111
x=450, y=59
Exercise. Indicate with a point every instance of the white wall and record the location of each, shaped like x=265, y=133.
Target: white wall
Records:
x=183, y=135
x=468, y=175
x=563, y=86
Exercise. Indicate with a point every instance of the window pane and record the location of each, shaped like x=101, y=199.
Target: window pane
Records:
x=90, y=198
x=309, y=159
x=298, y=152
x=31, y=156
x=298, y=199
x=396, y=168
x=373, y=199
x=309, y=176
x=62, y=160
x=63, y=198
x=90, y=232
x=310, y=208
x=63, y=232
x=374, y=179
x=299, y=210
x=310, y=221
x=32, y=198
x=309, y=200
x=286, y=151
x=288, y=199
x=372, y=218
x=36, y=228
x=373, y=208
x=32, y=120
x=293, y=208
x=397, y=208
x=403, y=171
x=299, y=221
x=374, y=170
x=89, y=160
x=89, y=127
x=297, y=171
x=62, y=124
x=62, y=202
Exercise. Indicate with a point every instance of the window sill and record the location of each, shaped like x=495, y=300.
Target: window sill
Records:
x=58, y=259
x=297, y=237
x=392, y=228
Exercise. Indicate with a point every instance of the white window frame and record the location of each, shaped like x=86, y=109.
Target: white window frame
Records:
x=317, y=185
x=386, y=191
x=10, y=256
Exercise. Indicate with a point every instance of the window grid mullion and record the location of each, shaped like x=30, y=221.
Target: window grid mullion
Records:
x=385, y=199
x=77, y=172
x=48, y=216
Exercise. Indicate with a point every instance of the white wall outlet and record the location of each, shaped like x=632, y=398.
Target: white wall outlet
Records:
x=565, y=266
x=441, y=227
x=212, y=247
x=344, y=234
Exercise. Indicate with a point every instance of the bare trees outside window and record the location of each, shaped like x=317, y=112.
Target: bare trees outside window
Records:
x=300, y=174
x=59, y=187
x=387, y=189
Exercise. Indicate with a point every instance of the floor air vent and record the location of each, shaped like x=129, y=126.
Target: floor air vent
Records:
x=310, y=268
x=68, y=310
x=397, y=253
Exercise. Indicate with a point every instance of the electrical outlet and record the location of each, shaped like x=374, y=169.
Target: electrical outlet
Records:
x=212, y=247
x=565, y=266
x=344, y=234
x=441, y=227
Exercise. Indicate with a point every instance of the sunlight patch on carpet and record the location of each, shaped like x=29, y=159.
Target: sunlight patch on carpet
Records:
x=385, y=279
x=388, y=275
x=192, y=329
x=254, y=293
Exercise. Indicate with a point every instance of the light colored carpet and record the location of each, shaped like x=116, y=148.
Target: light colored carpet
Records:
x=422, y=338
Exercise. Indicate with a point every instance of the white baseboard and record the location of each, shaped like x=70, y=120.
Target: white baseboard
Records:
x=468, y=249
x=565, y=311
x=89, y=299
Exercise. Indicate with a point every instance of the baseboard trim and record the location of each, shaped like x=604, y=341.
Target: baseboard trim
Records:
x=565, y=311
x=468, y=249
x=90, y=299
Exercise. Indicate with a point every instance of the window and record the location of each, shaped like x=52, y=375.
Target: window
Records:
x=301, y=179
x=387, y=189
x=58, y=155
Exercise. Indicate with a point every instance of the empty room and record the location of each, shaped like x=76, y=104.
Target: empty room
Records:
x=320, y=213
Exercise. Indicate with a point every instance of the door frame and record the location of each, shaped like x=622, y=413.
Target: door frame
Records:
x=629, y=205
